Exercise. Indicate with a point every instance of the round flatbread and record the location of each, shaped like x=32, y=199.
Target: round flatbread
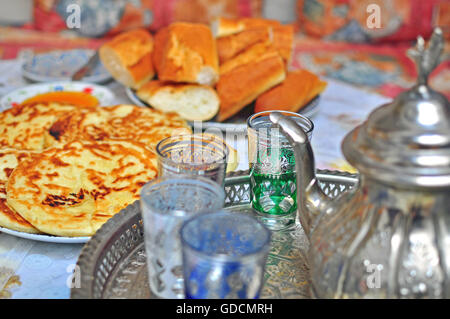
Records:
x=74, y=189
x=144, y=125
x=9, y=159
x=24, y=126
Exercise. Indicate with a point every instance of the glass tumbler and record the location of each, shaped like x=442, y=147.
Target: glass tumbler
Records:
x=224, y=256
x=273, y=186
x=165, y=204
x=196, y=154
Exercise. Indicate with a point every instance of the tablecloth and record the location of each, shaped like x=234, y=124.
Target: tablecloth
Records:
x=32, y=269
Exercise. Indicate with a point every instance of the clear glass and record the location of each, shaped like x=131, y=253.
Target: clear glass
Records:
x=165, y=204
x=224, y=256
x=273, y=182
x=196, y=154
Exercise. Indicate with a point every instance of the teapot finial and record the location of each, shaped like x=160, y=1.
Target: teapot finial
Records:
x=427, y=58
x=407, y=141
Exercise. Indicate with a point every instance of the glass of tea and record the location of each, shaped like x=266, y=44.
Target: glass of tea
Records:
x=197, y=154
x=273, y=183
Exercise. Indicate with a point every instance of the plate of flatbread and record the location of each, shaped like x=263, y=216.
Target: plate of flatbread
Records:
x=102, y=94
x=65, y=170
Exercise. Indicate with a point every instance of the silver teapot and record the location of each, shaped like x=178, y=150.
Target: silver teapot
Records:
x=389, y=237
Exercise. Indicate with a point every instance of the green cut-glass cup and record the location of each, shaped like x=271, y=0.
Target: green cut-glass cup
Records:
x=273, y=186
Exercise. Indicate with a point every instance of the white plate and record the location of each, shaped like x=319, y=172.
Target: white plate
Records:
x=46, y=238
x=236, y=124
x=60, y=65
x=104, y=95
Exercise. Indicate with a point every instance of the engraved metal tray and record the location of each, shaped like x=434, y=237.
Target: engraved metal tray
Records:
x=113, y=263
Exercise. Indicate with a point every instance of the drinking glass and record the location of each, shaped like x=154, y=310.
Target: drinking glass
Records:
x=196, y=154
x=224, y=255
x=165, y=204
x=273, y=187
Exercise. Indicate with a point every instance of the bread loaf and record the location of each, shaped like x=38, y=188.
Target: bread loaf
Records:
x=243, y=84
x=256, y=52
x=128, y=57
x=232, y=45
x=238, y=35
x=193, y=102
x=283, y=40
x=295, y=92
x=186, y=52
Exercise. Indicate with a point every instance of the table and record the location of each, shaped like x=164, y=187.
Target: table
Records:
x=31, y=269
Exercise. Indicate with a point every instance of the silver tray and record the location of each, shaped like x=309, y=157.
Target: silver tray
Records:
x=113, y=263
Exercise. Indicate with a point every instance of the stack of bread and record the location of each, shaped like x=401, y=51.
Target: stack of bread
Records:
x=66, y=169
x=203, y=72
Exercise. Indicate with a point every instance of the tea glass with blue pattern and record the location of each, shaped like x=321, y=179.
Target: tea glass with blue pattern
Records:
x=224, y=256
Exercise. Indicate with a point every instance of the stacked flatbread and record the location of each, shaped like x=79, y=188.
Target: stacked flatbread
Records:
x=66, y=170
x=122, y=121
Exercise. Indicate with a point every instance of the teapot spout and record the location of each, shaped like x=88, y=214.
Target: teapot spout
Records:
x=311, y=200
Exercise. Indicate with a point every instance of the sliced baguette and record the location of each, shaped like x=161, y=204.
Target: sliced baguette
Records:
x=292, y=94
x=128, y=57
x=256, y=52
x=283, y=40
x=230, y=46
x=187, y=53
x=193, y=102
x=243, y=84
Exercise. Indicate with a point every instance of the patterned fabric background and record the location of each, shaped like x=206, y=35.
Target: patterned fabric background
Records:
x=354, y=20
x=325, y=44
x=107, y=17
x=385, y=69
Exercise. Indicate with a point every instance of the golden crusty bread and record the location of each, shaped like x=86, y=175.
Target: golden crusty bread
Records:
x=9, y=159
x=226, y=26
x=128, y=57
x=283, y=40
x=256, y=52
x=244, y=83
x=193, y=102
x=73, y=190
x=280, y=36
x=296, y=91
x=24, y=126
x=186, y=52
x=161, y=42
x=124, y=121
x=230, y=46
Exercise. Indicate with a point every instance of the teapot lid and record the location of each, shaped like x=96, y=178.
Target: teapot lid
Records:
x=407, y=142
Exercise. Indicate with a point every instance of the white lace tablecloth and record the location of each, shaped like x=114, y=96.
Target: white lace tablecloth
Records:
x=31, y=269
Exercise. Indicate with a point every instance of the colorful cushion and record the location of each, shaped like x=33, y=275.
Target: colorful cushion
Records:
x=105, y=17
x=373, y=20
